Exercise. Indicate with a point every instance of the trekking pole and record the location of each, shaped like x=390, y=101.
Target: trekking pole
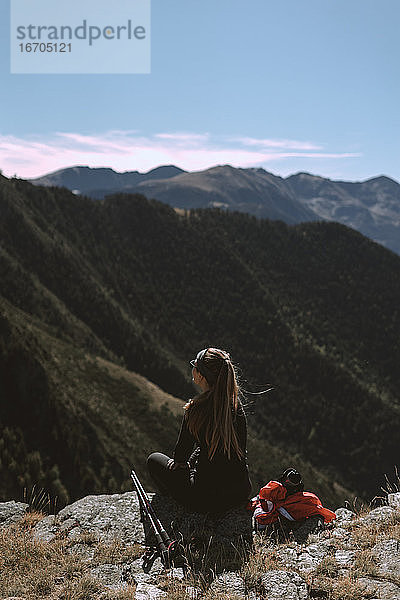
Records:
x=165, y=548
x=164, y=535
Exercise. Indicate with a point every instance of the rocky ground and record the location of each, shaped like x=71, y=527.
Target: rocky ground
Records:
x=101, y=539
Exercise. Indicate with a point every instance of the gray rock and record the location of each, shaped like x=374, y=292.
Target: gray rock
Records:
x=147, y=591
x=306, y=560
x=387, y=555
x=289, y=557
x=111, y=576
x=283, y=585
x=214, y=542
x=394, y=500
x=233, y=524
x=229, y=582
x=345, y=558
x=107, y=517
x=11, y=512
x=319, y=550
x=341, y=534
x=378, y=515
x=344, y=516
x=384, y=590
x=135, y=573
x=46, y=530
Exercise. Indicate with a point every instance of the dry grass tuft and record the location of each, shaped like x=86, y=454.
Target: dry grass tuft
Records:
x=392, y=486
x=83, y=589
x=28, y=567
x=341, y=588
x=39, y=500
x=88, y=538
x=125, y=594
x=263, y=558
x=367, y=534
x=177, y=590
x=328, y=567
x=34, y=569
x=30, y=519
x=365, y=563
x=116, y=553
x=194, y=589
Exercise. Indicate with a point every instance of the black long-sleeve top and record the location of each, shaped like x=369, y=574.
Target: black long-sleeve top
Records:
x=219, y=482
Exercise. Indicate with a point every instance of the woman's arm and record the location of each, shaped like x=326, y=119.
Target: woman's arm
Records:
x=184, y=444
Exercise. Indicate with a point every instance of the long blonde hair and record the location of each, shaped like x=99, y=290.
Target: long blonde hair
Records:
x=213, y=411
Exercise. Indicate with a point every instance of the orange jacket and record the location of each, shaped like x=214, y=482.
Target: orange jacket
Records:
x=273, y=501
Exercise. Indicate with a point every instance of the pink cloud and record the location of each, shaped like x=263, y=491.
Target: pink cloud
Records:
x=32, y=156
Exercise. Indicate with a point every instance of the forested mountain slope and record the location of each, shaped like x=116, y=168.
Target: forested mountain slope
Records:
x=73, y=423
x=371, y=207
x=311, y=309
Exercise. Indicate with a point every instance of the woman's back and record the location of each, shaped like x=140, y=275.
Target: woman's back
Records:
x=209, y=463
x=221, y=480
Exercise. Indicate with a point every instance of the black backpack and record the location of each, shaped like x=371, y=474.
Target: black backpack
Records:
x=292, y=481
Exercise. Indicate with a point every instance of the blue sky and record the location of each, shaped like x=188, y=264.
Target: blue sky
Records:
x=290, y=86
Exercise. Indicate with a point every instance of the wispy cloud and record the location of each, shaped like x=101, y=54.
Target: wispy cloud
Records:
x=185, y=138
x=272, y=144
x=34, y=155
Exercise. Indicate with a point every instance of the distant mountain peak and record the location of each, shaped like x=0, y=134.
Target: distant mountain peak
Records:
x=218, y=168
x=83, y=179
x=308, y=176
x=384, y=179
x=257, y=170
x=164, y=171
x=172, y=167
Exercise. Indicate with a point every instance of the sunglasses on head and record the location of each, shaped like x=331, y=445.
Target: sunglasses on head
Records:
x=198, y=358
x=197, y=363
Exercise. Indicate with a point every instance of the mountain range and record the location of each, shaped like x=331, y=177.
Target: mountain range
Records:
x=95, y=294
x=371, y=207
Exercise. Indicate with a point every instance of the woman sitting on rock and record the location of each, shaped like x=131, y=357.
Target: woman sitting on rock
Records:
x=208, y=473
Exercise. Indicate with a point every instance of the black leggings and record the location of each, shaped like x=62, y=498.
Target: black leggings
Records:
x=182, y=487
x=170, y=483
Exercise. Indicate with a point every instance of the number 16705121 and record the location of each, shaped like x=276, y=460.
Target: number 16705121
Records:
x=45, y=47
